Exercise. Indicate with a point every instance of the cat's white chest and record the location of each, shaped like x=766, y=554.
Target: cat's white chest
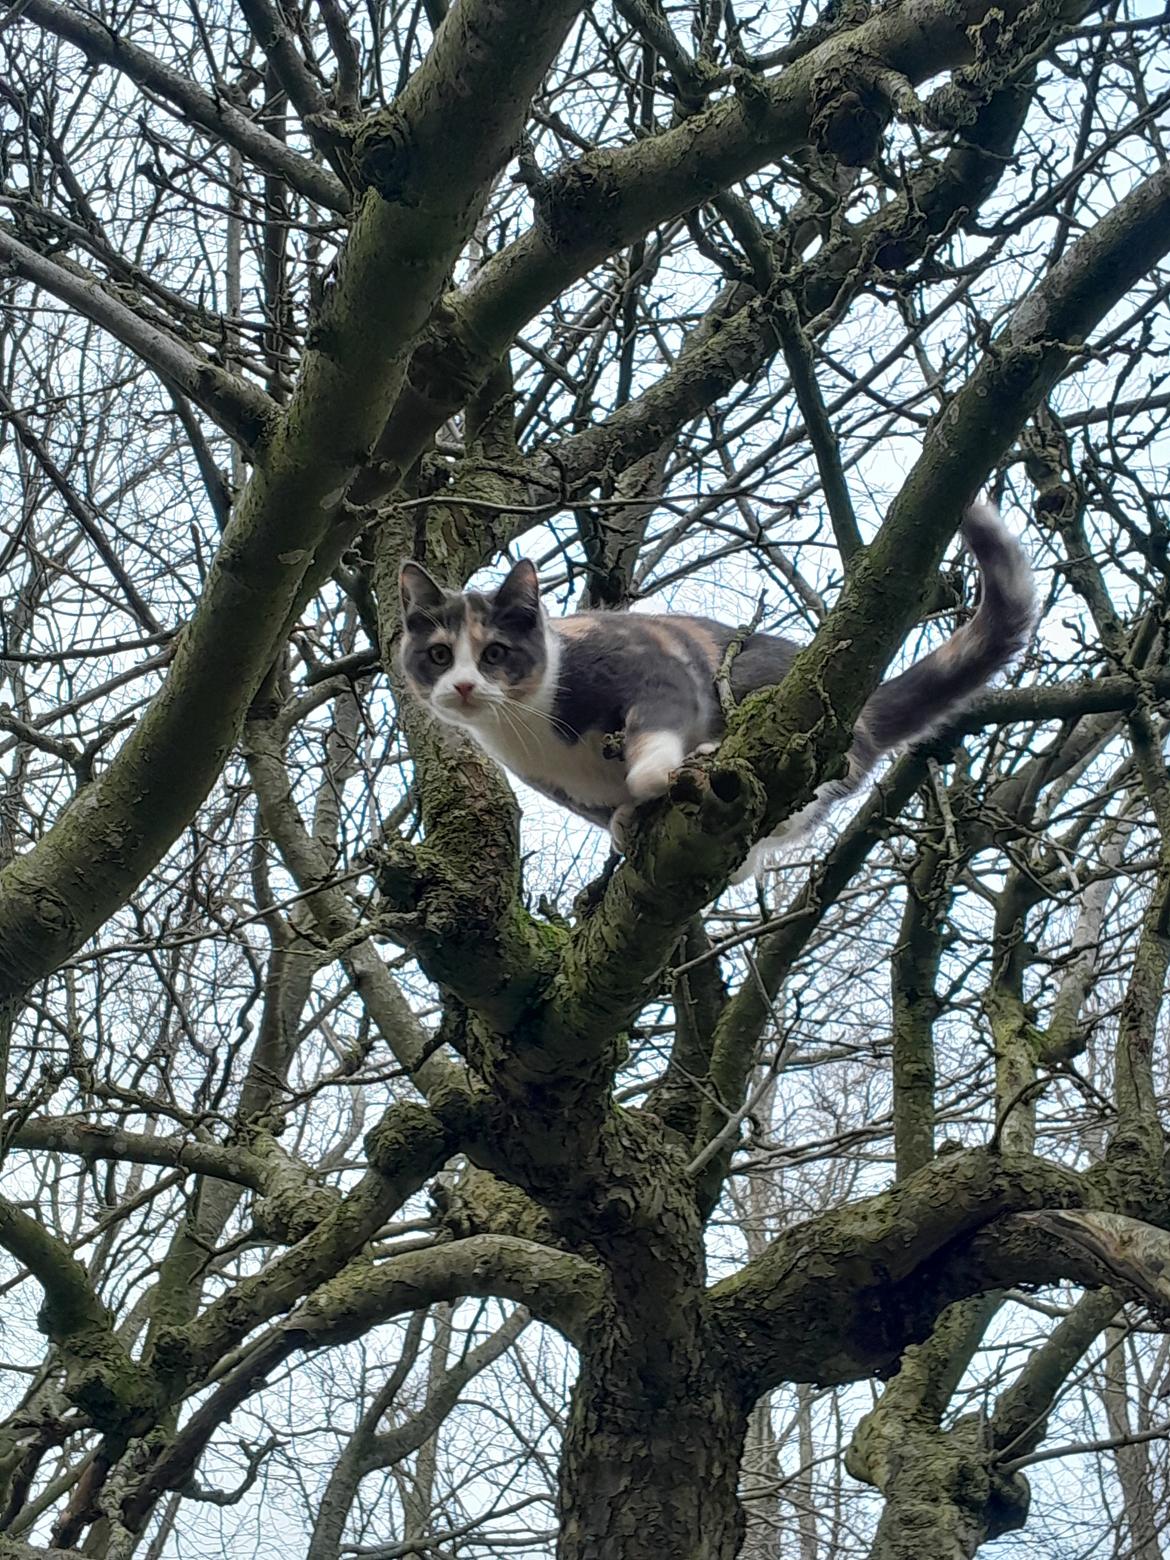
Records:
x=525, y=742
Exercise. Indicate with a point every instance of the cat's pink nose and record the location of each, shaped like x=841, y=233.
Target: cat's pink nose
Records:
x=465, y=690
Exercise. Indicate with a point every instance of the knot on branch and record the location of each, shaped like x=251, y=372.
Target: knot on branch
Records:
x=111, y=1390
x=953, y=107
x=573, y=206
x=333, y=132
x=1046, y=460
x=384, y=157
x=714, y=814
x=1000, y=49
x=291, y=1213
x=399, y=875
x=424, y=894
x=751, y=88
x=850, y=109
x=409, y=1134
x=717, y=798
x=478, y=1203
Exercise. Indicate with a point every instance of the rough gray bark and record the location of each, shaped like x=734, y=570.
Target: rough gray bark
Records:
x=334, y=981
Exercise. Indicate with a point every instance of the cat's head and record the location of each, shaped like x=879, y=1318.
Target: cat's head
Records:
x=465, y=655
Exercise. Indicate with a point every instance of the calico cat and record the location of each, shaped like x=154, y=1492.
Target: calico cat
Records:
x=546, y=697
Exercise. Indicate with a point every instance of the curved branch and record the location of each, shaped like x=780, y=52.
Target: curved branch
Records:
x=840, y=1297
x=1129, y=1253
x=564, y=1290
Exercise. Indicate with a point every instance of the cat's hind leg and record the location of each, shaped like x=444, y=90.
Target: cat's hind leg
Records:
x=620, y=823
x=792, y=831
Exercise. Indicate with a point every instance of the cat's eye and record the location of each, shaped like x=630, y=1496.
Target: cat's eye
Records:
x=439, y=655
x=495, y=654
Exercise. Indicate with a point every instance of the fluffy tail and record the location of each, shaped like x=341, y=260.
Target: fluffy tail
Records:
x=909, y=706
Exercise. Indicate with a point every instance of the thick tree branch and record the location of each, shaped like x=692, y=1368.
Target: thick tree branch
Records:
x=841, y=1296
x=100, y=1376
x=968, y=1224
x=943, y=1495
x=563, y=1290
x=76, y=1135
x=430, y=164
x=455, y=899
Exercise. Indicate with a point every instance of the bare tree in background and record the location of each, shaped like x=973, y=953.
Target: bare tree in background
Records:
x=383, y=1177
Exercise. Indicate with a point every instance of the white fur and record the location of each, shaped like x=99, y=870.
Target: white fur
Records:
x=528, y=746
x=657, y=755
x=447, y=703
x=620, y=824
x=520, y=734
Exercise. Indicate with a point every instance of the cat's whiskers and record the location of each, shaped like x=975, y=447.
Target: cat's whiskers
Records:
x=519, y=708
x=526, y=722
x=509, y=715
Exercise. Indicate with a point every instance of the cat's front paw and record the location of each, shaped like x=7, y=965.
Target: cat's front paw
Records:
x=655, y=757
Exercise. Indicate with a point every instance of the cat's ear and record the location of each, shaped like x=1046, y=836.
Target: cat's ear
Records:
x=418, y=591
x=519, y=596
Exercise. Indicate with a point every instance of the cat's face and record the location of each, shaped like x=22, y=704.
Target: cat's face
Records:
x=468, y=656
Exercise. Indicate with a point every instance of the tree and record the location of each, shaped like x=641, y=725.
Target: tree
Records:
x=307, y=1050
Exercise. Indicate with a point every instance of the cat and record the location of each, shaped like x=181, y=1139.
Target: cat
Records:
x=597, y=709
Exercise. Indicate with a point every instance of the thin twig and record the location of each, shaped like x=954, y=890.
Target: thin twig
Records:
x=736, y=644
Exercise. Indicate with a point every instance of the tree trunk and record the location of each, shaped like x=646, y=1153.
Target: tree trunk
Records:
x=651, y=1472
x=760, y=1483
x=1134, y=1471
